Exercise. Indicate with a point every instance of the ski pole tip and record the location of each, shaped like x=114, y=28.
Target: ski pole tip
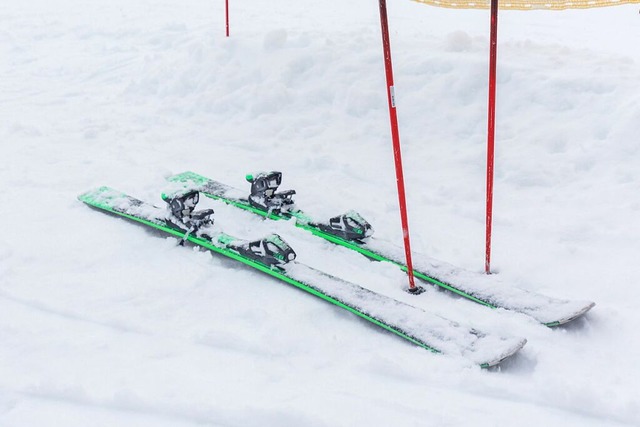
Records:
x=416, y=290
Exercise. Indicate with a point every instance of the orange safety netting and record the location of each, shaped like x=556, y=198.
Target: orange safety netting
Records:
x=527, y=4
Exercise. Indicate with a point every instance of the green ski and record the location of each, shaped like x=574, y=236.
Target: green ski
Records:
x=272, y=256
x=350, y=230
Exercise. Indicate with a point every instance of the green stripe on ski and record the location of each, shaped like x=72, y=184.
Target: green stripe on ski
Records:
x=98, y=203
x=567, y=310
x=102, y=203
x=375, y=256
x=247, y=207
x=303, y=221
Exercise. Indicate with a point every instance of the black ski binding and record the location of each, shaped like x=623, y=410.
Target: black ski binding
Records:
x=183, y=214
x=349, y=226
x=263, y=193
x=271, y=250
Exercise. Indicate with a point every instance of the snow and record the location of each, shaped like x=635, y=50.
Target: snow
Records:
x=103, y=323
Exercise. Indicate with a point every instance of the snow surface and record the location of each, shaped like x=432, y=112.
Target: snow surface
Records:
x=103, y=323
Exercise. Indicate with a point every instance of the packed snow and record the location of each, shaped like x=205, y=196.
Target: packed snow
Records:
x=104, y=323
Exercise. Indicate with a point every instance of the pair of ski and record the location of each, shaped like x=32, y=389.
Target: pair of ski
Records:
x=273, y=256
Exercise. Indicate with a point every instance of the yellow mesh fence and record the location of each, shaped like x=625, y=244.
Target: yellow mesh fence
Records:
x=526, y=4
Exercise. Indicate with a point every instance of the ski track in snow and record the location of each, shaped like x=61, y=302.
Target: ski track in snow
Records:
x=103, y=323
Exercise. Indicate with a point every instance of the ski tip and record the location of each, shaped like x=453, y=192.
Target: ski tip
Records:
x=99, y=195
x=518, y=344
x=570, y=318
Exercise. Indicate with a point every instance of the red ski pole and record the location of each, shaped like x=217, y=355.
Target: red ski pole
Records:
x=226, y=15
x=395, y=135
x=493, y=54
